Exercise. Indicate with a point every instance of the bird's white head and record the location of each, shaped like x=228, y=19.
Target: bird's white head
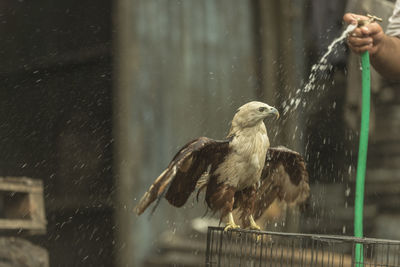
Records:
x=253, y=113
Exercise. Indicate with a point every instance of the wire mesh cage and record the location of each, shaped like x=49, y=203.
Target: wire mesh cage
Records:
x=254, y=248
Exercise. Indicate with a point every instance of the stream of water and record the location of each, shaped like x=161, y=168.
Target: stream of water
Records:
x=321, y=66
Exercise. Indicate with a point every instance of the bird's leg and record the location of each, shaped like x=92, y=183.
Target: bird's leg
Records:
x=231, y=223
x=248, y=199
x=253, y=225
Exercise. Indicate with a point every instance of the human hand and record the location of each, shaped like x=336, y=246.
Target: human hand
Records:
x=365, y=38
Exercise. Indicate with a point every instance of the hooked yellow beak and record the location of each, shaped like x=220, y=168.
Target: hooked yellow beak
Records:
x=275, y=112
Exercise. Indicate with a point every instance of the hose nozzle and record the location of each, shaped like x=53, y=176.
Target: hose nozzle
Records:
x=371, y=18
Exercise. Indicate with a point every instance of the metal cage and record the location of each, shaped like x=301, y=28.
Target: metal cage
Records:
x=261, y=248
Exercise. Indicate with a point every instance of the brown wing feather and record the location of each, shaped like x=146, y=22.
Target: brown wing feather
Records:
x=285, y=177
x=179, y=179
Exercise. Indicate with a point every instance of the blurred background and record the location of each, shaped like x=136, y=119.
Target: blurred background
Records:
x=97, y=96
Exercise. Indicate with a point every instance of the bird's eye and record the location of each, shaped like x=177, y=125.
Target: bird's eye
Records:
x=262, y=109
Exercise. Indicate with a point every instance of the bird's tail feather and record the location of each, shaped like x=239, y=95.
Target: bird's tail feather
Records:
x=159, y=199
x=156, y=191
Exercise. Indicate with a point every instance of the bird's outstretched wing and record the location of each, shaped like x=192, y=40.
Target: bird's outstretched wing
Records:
x=284, y=177
x=179, y=179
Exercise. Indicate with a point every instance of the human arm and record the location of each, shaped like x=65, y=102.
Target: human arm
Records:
x=384, y=49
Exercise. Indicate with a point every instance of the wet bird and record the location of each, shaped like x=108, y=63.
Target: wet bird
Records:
x=241, y=172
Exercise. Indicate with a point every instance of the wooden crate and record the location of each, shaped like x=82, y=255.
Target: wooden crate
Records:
x=22, y=205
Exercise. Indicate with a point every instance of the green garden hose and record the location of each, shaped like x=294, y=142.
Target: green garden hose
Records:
x=363, y=147
x=362, y=157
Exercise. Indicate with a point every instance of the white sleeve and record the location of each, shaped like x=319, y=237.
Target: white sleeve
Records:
x=393, y=27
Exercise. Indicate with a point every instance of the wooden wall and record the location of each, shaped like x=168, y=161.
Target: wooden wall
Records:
x=182, y=69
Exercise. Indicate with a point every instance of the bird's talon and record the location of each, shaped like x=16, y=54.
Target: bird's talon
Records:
x=231, y=223
x=255, y=227
x=230, y=226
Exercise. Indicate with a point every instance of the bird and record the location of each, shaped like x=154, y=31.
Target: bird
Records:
x=239, y=172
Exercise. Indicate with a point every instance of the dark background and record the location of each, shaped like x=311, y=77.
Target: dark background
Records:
x=56, y=119
x=97, y=96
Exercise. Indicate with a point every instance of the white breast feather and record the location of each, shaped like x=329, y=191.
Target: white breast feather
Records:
x=244, y=164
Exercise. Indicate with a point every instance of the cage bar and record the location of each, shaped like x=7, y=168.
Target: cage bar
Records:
x=269, y=249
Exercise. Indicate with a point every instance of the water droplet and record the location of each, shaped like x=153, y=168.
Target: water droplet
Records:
x=347, y=192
